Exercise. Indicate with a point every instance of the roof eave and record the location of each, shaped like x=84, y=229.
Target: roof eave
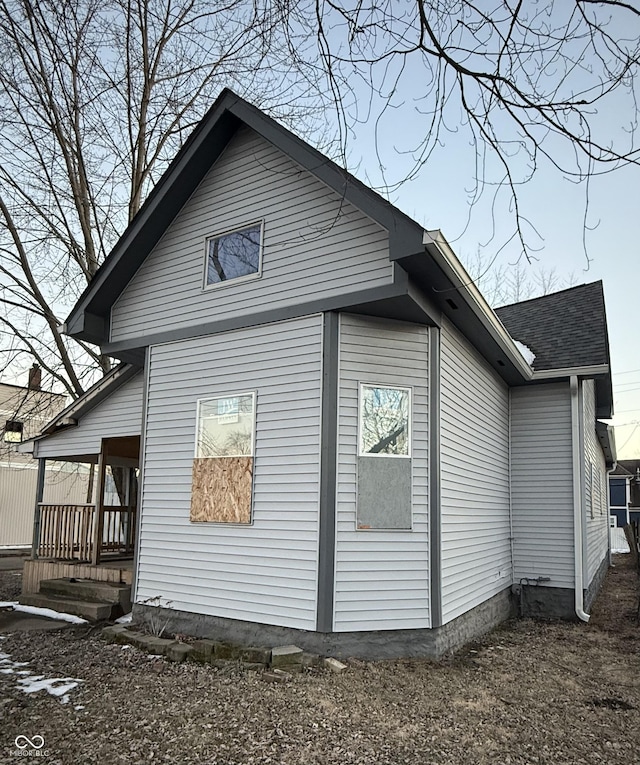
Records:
x=441, y=251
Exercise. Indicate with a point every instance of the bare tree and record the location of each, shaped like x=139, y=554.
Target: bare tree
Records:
x=96, y=97
x=528, y=84
x=503, y=284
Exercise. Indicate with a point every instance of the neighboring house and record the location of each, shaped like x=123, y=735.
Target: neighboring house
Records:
x=340, y=443
x=23, y=413
x=624, y=492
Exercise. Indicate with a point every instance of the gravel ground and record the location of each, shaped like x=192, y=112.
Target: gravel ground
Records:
x=544, y=693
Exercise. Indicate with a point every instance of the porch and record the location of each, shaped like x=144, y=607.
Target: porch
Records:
x=98, y=532
x=36, y=571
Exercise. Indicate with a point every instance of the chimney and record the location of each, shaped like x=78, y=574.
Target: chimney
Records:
x=35, y=377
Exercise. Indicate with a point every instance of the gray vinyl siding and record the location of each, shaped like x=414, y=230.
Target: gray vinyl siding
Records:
x=118, y=415
x=382, y=577
x=265, y=572
x=315, y=245
x=474, y=438
x=542, y=483
x=596, y=515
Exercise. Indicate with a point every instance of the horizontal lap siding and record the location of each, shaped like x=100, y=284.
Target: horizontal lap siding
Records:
x=382, y=577
x=474, y=437
x=596, y=527
x=265, y=572
x=541, y=483
x=315, y=245
x=118, y=415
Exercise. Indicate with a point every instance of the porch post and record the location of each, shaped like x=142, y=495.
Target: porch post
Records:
x=99, y=516
x=42, y=466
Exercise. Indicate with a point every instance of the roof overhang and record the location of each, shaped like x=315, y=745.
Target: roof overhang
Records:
x=599, y=373
x=90, y=318
x=435, y=269
x=606, y=437
x=72, y=414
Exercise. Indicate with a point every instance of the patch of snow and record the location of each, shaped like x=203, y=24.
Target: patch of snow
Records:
x=622, y=551
x=30, y=683
x=79, y=707
x=126, y=619
x=48, y=613
x=125, y=647
x=527, y=354
x=55, y=686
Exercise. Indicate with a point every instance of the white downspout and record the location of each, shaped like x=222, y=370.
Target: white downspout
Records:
x=577, y=500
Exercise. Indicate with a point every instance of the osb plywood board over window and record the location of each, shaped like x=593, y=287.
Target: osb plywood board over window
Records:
x=221, y=490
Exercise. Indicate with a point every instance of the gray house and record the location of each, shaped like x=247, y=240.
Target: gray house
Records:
x=341, y=444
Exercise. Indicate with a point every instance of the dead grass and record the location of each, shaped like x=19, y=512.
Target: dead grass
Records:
x=543, y=693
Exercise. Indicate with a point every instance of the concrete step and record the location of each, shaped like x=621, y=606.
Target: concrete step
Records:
x=89, y=590
x=94, y=612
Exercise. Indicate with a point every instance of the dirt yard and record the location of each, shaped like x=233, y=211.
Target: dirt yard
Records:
x=529, y=693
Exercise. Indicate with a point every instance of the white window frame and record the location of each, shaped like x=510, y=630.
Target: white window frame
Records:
x=201, y=401
x=238, y=279
x=386, y=386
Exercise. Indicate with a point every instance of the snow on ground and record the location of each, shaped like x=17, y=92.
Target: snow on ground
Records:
x=126, y=619
x=48, y=613
x=30, y=683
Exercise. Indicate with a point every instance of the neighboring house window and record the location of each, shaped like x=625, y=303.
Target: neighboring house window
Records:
x=13, y=431
x=618, y=492
x=222, y=484
x=234, y=255
x=384, y=487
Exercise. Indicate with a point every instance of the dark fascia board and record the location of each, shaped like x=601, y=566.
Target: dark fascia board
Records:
x=453, y=295
x=180, y=180
x=606, y=437
x=391, y=302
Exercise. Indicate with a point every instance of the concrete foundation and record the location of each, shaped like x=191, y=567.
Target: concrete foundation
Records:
x=379, y=644
x=541, y=602
x=596, y=583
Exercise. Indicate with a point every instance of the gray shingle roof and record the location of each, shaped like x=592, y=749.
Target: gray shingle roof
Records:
x=564, y=329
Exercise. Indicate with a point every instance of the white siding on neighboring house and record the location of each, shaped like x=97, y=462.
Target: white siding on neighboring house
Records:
x=265, y=572
x=315, y=245
x=382, y=577
x=118, y=415
x=474, y=438
x=18, y=485
x=542, y=483
x=596, y=512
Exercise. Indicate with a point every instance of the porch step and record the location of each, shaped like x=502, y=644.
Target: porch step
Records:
x=89, y=590
x=91, y=610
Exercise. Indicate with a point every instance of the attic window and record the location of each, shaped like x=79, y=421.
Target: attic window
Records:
x=13, y=431
x=234, y=255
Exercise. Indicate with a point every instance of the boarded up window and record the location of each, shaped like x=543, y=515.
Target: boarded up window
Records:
x=384, y=461
x=222, y=483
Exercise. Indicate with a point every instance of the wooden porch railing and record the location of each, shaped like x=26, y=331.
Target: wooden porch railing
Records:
x=67, y=532
x=118, y=529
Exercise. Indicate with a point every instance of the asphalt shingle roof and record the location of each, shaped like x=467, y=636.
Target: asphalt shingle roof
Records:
x=564, y=329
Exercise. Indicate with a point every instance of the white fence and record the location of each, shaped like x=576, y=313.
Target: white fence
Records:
x=619, y=542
